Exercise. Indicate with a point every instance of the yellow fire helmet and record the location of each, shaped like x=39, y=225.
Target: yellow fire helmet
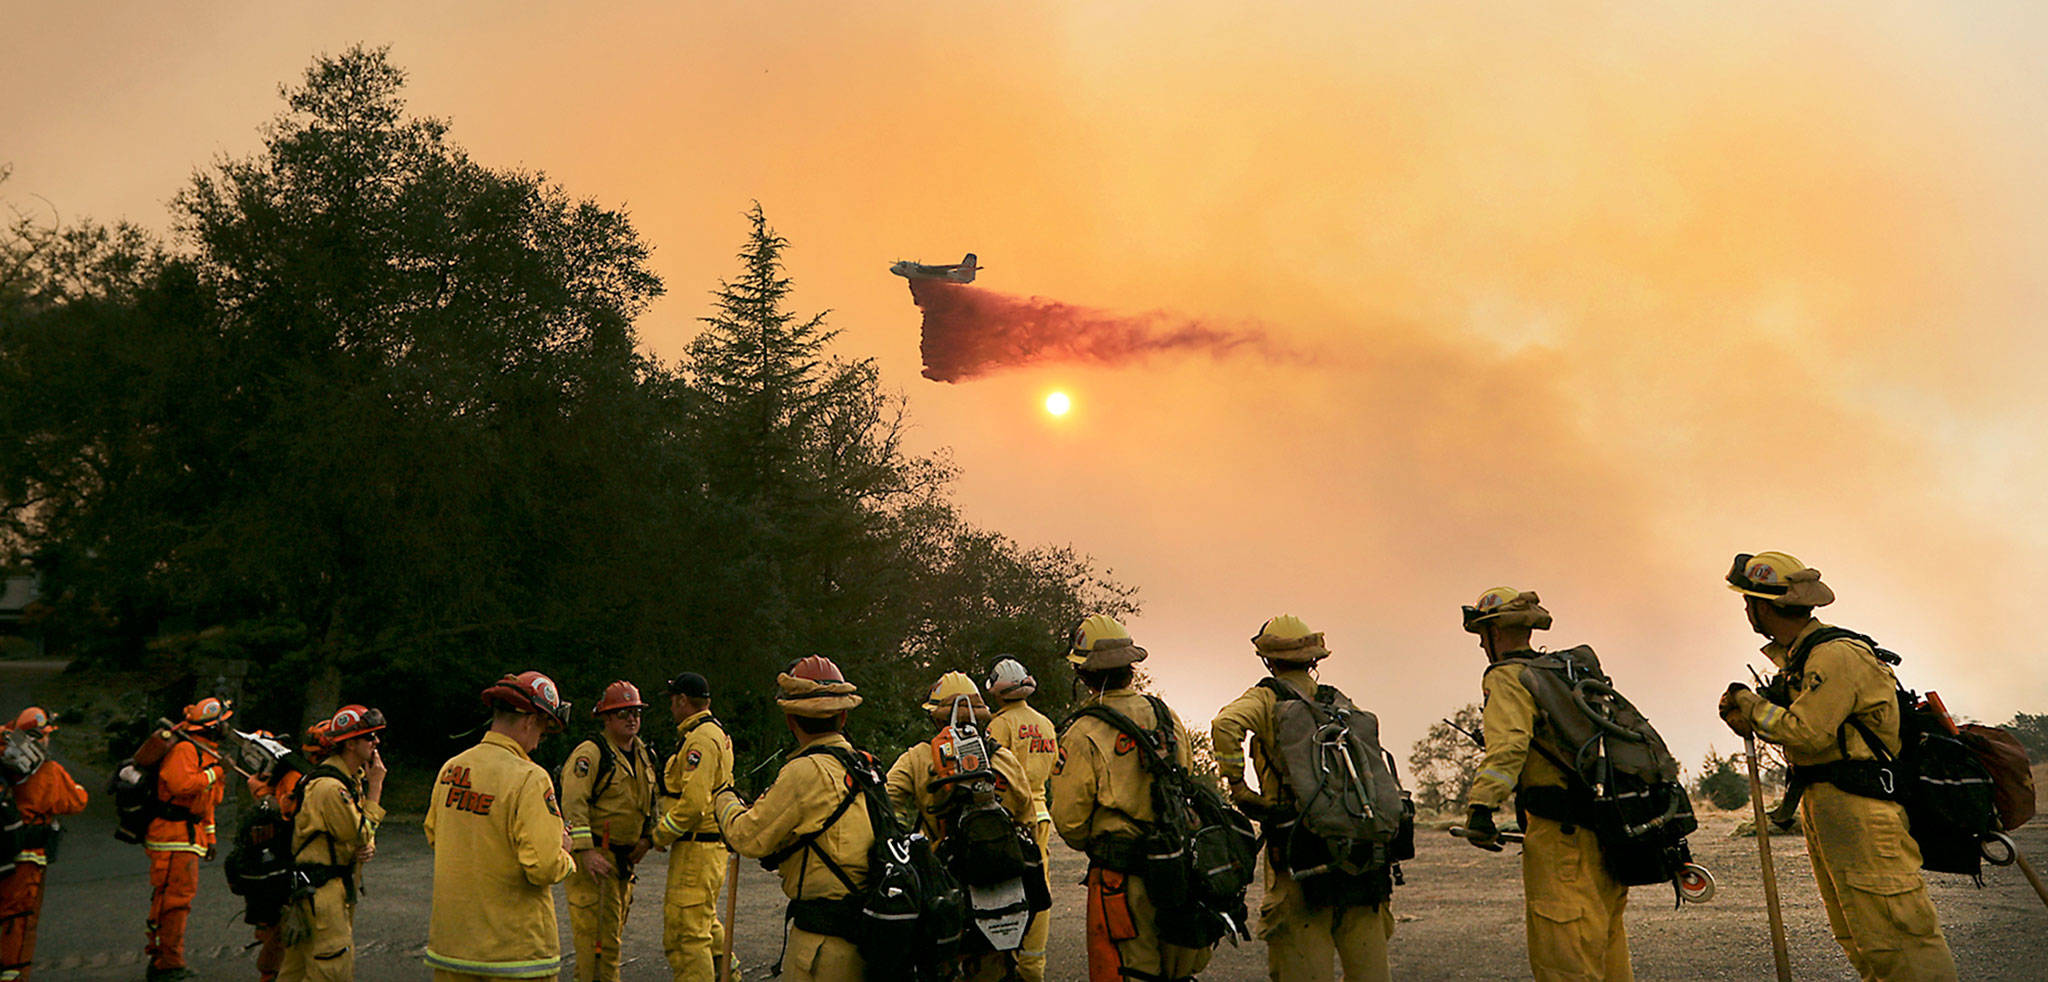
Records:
x=952, y=686
x=1780, y=579
x=1507, y=607
x=1287, y=638
x=1099, y=642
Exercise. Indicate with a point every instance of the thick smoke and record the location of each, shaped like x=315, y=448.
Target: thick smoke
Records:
x=970, y=333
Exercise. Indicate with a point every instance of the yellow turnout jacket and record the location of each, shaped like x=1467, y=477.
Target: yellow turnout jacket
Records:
x=496, y=833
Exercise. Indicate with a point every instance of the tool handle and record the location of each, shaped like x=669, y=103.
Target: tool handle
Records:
x=732, y=913
x=1465, y=833
x=2032, y=876
x=1779, y=955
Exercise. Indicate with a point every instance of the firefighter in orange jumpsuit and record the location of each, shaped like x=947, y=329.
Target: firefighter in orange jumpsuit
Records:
x=42, y=794
x=189, y=783
x=277, y=787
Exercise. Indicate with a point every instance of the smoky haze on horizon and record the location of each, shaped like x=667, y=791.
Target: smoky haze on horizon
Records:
x=969, y=332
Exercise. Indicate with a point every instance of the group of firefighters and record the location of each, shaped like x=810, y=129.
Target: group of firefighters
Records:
x=502, y=837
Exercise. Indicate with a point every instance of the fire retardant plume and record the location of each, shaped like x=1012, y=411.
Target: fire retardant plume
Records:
x=969, y=333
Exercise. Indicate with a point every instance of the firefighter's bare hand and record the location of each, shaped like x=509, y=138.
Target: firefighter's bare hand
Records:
x=209, y=853
x=594, y=862
x=368, y=852
x=639, y=852
x=568, y=844
x=374, y=772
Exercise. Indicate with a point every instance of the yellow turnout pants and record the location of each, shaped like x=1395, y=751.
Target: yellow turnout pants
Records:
x=1031, y=953
x=1302, y=942
x=691, y=935
x=329, y=955
x=1868, y=869
x=597, y=922
x=1574, y=907
x=443, y=975
x=821, y=958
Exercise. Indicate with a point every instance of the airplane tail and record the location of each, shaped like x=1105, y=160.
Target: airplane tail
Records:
x=967, y=268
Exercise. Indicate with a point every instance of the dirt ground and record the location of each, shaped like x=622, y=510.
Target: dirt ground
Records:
x=1460, y=913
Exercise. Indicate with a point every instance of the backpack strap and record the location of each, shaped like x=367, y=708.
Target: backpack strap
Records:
x=1158, y=744
x=1795, y=663
x=607, y=762
x=860, y=778
x=333, y=868
x=1578, y=791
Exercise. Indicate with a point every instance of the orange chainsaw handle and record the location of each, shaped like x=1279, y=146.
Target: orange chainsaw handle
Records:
x=1947, y=722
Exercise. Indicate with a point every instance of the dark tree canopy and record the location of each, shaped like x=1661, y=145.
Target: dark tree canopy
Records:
x=375, y=422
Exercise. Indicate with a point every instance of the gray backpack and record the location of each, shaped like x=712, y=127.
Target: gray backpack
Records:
x=1624, y=783
x=1352, y=813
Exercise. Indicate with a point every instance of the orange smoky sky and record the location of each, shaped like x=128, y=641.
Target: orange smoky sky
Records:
x=1607, y=292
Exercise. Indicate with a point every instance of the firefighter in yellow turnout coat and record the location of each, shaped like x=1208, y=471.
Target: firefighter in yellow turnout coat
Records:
x=608, y=803
x=691, y=936
x=333, y=833
x=499, y=845
x=930, y=810
x=1102, y=800
x=1573, y=905
x=1865, y=863
x=1301, y=940
x=814, y=698
x=1031, y=736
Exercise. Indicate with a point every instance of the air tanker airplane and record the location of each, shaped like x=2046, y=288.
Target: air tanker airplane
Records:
x=960, y=272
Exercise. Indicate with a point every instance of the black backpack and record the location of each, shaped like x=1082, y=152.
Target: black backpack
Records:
x=1201, y=856
x=259, y=865
x=908, y=918
x=1949, y=795
x=133, y=787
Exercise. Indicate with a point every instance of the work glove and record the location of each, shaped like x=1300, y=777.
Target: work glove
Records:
x=1731, y=711
x=1480, y=830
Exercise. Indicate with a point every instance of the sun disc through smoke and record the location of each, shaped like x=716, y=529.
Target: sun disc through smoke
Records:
x=1058, y=404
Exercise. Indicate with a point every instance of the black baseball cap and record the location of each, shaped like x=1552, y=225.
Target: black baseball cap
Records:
x=690, y=684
